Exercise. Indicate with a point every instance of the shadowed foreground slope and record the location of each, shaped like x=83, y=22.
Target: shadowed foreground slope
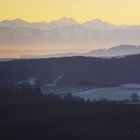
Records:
x=50, y=117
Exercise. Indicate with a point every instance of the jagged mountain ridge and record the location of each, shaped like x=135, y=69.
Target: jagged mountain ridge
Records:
x=67, y=30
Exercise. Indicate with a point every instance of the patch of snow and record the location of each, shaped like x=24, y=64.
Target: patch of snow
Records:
x=30, y=81
x=131, y=85
x=110, y=93
x=55, y=81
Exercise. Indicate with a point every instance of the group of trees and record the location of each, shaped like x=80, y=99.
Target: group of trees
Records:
x=27, y=114
x=20, y=90
x=39, y=117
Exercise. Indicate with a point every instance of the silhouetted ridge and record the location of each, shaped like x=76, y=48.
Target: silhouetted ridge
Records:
x=75, y=70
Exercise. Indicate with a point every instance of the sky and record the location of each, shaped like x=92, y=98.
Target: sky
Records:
x=113, y=11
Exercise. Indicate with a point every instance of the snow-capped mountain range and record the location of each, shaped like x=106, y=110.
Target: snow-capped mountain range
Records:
x=67, y=30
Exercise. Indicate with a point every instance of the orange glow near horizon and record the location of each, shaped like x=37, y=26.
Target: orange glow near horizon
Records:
x=16, y=51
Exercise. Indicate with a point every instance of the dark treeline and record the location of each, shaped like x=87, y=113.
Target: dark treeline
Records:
x=50, y=117
x=75, y=70
x=31, y=95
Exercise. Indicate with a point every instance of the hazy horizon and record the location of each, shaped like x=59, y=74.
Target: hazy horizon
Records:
x=19, y=37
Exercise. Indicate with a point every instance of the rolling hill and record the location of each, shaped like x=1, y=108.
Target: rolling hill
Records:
x=75, y=71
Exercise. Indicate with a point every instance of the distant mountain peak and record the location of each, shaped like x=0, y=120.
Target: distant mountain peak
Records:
x=98, y=20
x=14, y=23
x=19, y=20
x=65, y=20
x=98, y=24
x=125, y=47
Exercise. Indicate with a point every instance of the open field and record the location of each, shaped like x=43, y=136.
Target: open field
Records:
x=117, y=93
x=110, y=93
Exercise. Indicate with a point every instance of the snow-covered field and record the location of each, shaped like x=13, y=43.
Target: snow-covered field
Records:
x=119, y=93
x=132, y=85
x=110, y=93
